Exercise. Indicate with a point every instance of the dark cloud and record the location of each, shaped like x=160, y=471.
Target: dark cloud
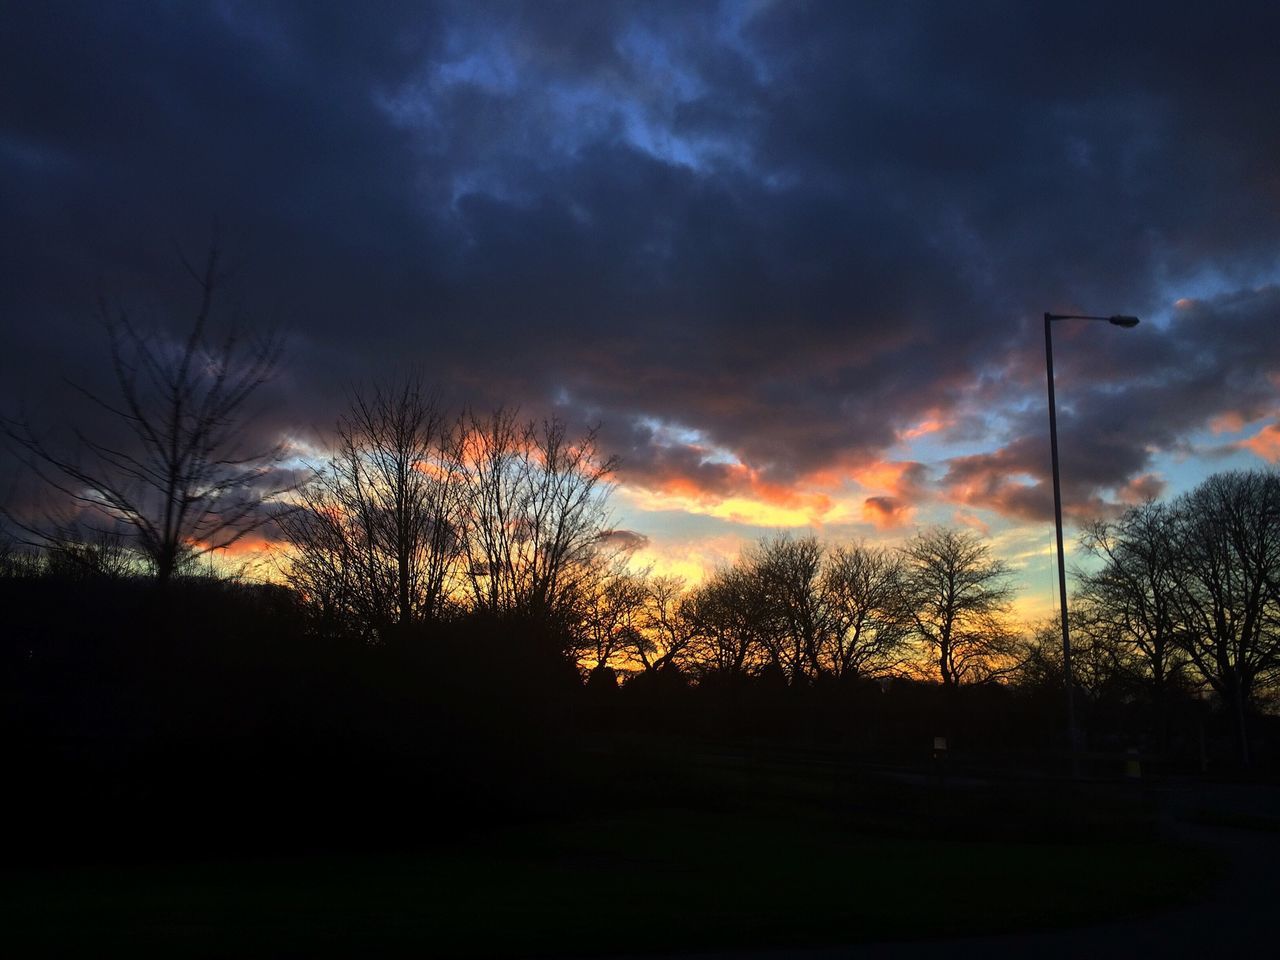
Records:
x=795, y=229
x=1123, y=400
x=627, y=541
x=886, y=512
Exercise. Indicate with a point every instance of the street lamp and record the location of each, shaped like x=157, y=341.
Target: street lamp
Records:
x=1073, y=736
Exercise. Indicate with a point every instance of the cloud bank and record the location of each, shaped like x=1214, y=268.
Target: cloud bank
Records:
x=773, y=249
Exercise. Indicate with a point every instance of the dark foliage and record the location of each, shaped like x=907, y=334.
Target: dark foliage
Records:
x=210, y=716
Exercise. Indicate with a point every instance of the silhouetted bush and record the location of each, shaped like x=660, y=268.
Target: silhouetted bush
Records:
x=211, y=715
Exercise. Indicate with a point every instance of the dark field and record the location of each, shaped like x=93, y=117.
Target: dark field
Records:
x=213, y=781
x=646, y=880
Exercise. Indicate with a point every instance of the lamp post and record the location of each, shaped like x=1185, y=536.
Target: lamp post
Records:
x=1073, y=736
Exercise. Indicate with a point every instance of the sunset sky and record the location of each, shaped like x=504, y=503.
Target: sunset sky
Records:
x=790, y=257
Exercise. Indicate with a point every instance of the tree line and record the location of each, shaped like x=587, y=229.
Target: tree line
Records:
x=418, y=518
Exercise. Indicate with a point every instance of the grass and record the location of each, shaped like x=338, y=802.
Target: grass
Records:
x=639, y=881
x=1207, y=816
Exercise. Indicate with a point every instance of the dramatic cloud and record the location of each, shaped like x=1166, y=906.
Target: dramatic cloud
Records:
x=1265, y=443
x=1212, y=368
x=886, y=513
x=769, y=248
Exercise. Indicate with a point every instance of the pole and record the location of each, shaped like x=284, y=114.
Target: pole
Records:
x=1072, y=737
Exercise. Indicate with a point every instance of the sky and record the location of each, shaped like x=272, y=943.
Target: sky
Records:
x=791, y=258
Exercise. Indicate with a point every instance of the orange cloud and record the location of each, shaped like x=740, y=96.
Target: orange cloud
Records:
x=1141, y=489
x=901, y=479
x=1265, y=443
x=684, y=479
x=925, y=427
x=973, y=522
x=255, y=542
x=1229, y=422
x=886, y=513
x=996, y=481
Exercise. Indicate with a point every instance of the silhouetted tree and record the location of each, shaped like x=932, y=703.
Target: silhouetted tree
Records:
x=724, y=617
x=535, y=515
x=793, y=621
x=183, y=482
x=959, y=596
x=105, y=554
x=17, y=560
x=379, y=529
x=868, y=618
x=1227, y=566
x=1131, y=600
x=807, y=609
x=612, y=615
x=666, y=631
x=1097, y=664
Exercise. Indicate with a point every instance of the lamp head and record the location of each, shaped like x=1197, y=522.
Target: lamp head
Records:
x=1120, y=321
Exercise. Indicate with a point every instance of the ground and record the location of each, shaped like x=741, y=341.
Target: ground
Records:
x=639, y=881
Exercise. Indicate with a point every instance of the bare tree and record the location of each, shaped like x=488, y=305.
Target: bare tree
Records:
x=182, y=482
x=1098, y=670
x=804, y=608
x=1131, y=600
x=17, y=561
x=666, y=631
x=868, y=620
x=787, y=574
x=105, y=555
x=1227, y=565
x=613, y=614
x=959, y=596
x=724, y=617
x=379, y=530
x=536, y=515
